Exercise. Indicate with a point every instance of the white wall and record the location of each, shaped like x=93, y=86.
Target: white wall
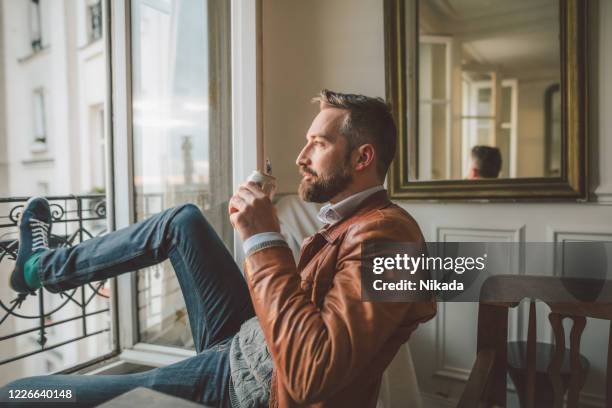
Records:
x=307, y=46
x=339, y=45
x=72, y=75
x=25, y=72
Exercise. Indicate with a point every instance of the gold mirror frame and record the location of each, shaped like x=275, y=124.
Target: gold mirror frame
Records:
x=571, y=185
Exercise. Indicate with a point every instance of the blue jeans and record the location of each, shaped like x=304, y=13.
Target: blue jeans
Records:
x=215, y=293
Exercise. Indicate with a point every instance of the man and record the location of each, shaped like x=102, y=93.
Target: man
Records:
x=486, y=162
x=290, y=335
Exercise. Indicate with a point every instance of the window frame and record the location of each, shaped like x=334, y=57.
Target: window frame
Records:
x=245, y=122
x=425, y=144
x=511, y=124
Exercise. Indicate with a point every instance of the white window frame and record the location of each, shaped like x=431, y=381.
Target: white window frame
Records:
x=245, y=122
x=425, y=145
x=512, y=125
x=467, y=128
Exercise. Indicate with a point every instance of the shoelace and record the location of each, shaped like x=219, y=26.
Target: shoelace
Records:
x=40, y=234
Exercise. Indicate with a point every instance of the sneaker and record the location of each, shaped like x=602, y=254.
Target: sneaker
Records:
x=34, y=231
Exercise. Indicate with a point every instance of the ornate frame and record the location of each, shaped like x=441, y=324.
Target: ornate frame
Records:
x=571, y=186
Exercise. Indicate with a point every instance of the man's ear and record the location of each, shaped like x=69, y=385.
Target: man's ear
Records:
x=365, y=156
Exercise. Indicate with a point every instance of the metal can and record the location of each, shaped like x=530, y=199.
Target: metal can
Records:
x=267, y=182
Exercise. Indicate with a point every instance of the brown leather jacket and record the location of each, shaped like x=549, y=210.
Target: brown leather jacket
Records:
x=330, y=348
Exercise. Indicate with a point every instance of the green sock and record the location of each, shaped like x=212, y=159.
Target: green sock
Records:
x=30, y=272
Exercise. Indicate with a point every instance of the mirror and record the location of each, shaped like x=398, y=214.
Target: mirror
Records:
x=552, y=130
x=481, y=91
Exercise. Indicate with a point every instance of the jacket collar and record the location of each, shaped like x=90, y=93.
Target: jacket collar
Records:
x=376, y=201
x=332, y=213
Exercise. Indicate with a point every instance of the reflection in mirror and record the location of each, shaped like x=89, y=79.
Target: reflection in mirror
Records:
x=552, y=107
x=488, y=88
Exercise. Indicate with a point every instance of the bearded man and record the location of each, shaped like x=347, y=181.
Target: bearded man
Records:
x=282, y=335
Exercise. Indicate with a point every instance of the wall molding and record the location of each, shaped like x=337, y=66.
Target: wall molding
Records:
x=510, y=233
x=443, y=233
x=560, y=233
x=578, y=232
x=603, y=194
x=442, y=368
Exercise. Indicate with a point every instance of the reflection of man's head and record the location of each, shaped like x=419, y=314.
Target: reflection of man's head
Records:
x=486, y=162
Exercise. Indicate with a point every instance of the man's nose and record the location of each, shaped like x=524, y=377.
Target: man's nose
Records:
x=302, y=159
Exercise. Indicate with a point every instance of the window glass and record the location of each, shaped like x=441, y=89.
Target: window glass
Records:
x=40, y=122
x=94, y=20
x=35, y=25
x=182, y=151
x=52, y=141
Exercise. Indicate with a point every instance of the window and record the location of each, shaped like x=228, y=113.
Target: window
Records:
x=181, y=137
x=42, y=188
x=435, y=107
x=52, y=144
x=94, y=20
x=485, y=124
x=40, y=123
x=35, y=26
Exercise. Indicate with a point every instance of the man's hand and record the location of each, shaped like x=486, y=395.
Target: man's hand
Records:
x=251, y=211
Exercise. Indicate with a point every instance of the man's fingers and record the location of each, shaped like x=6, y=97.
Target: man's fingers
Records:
x=254, y=188
x=238, y=203
x=234, y=218
x=246, y=194
x=251, y=211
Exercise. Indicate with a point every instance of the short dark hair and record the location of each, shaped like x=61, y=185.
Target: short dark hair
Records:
x=369, y=120
x=487, y=161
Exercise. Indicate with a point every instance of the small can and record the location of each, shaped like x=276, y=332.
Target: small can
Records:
x=267, y=182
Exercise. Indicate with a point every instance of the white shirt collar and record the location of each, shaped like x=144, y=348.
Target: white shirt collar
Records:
x=332, y=213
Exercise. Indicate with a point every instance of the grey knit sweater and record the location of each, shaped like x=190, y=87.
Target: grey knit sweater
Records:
x=251, y=367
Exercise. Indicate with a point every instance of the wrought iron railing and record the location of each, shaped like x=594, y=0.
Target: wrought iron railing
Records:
x=75, y=219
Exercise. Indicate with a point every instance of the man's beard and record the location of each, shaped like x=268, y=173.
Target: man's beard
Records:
x=322, y=189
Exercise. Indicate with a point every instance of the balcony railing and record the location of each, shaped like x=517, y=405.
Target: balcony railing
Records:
x=75, y=219
x=38, y=318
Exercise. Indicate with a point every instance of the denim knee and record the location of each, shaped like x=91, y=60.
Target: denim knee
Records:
x=187, y=215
